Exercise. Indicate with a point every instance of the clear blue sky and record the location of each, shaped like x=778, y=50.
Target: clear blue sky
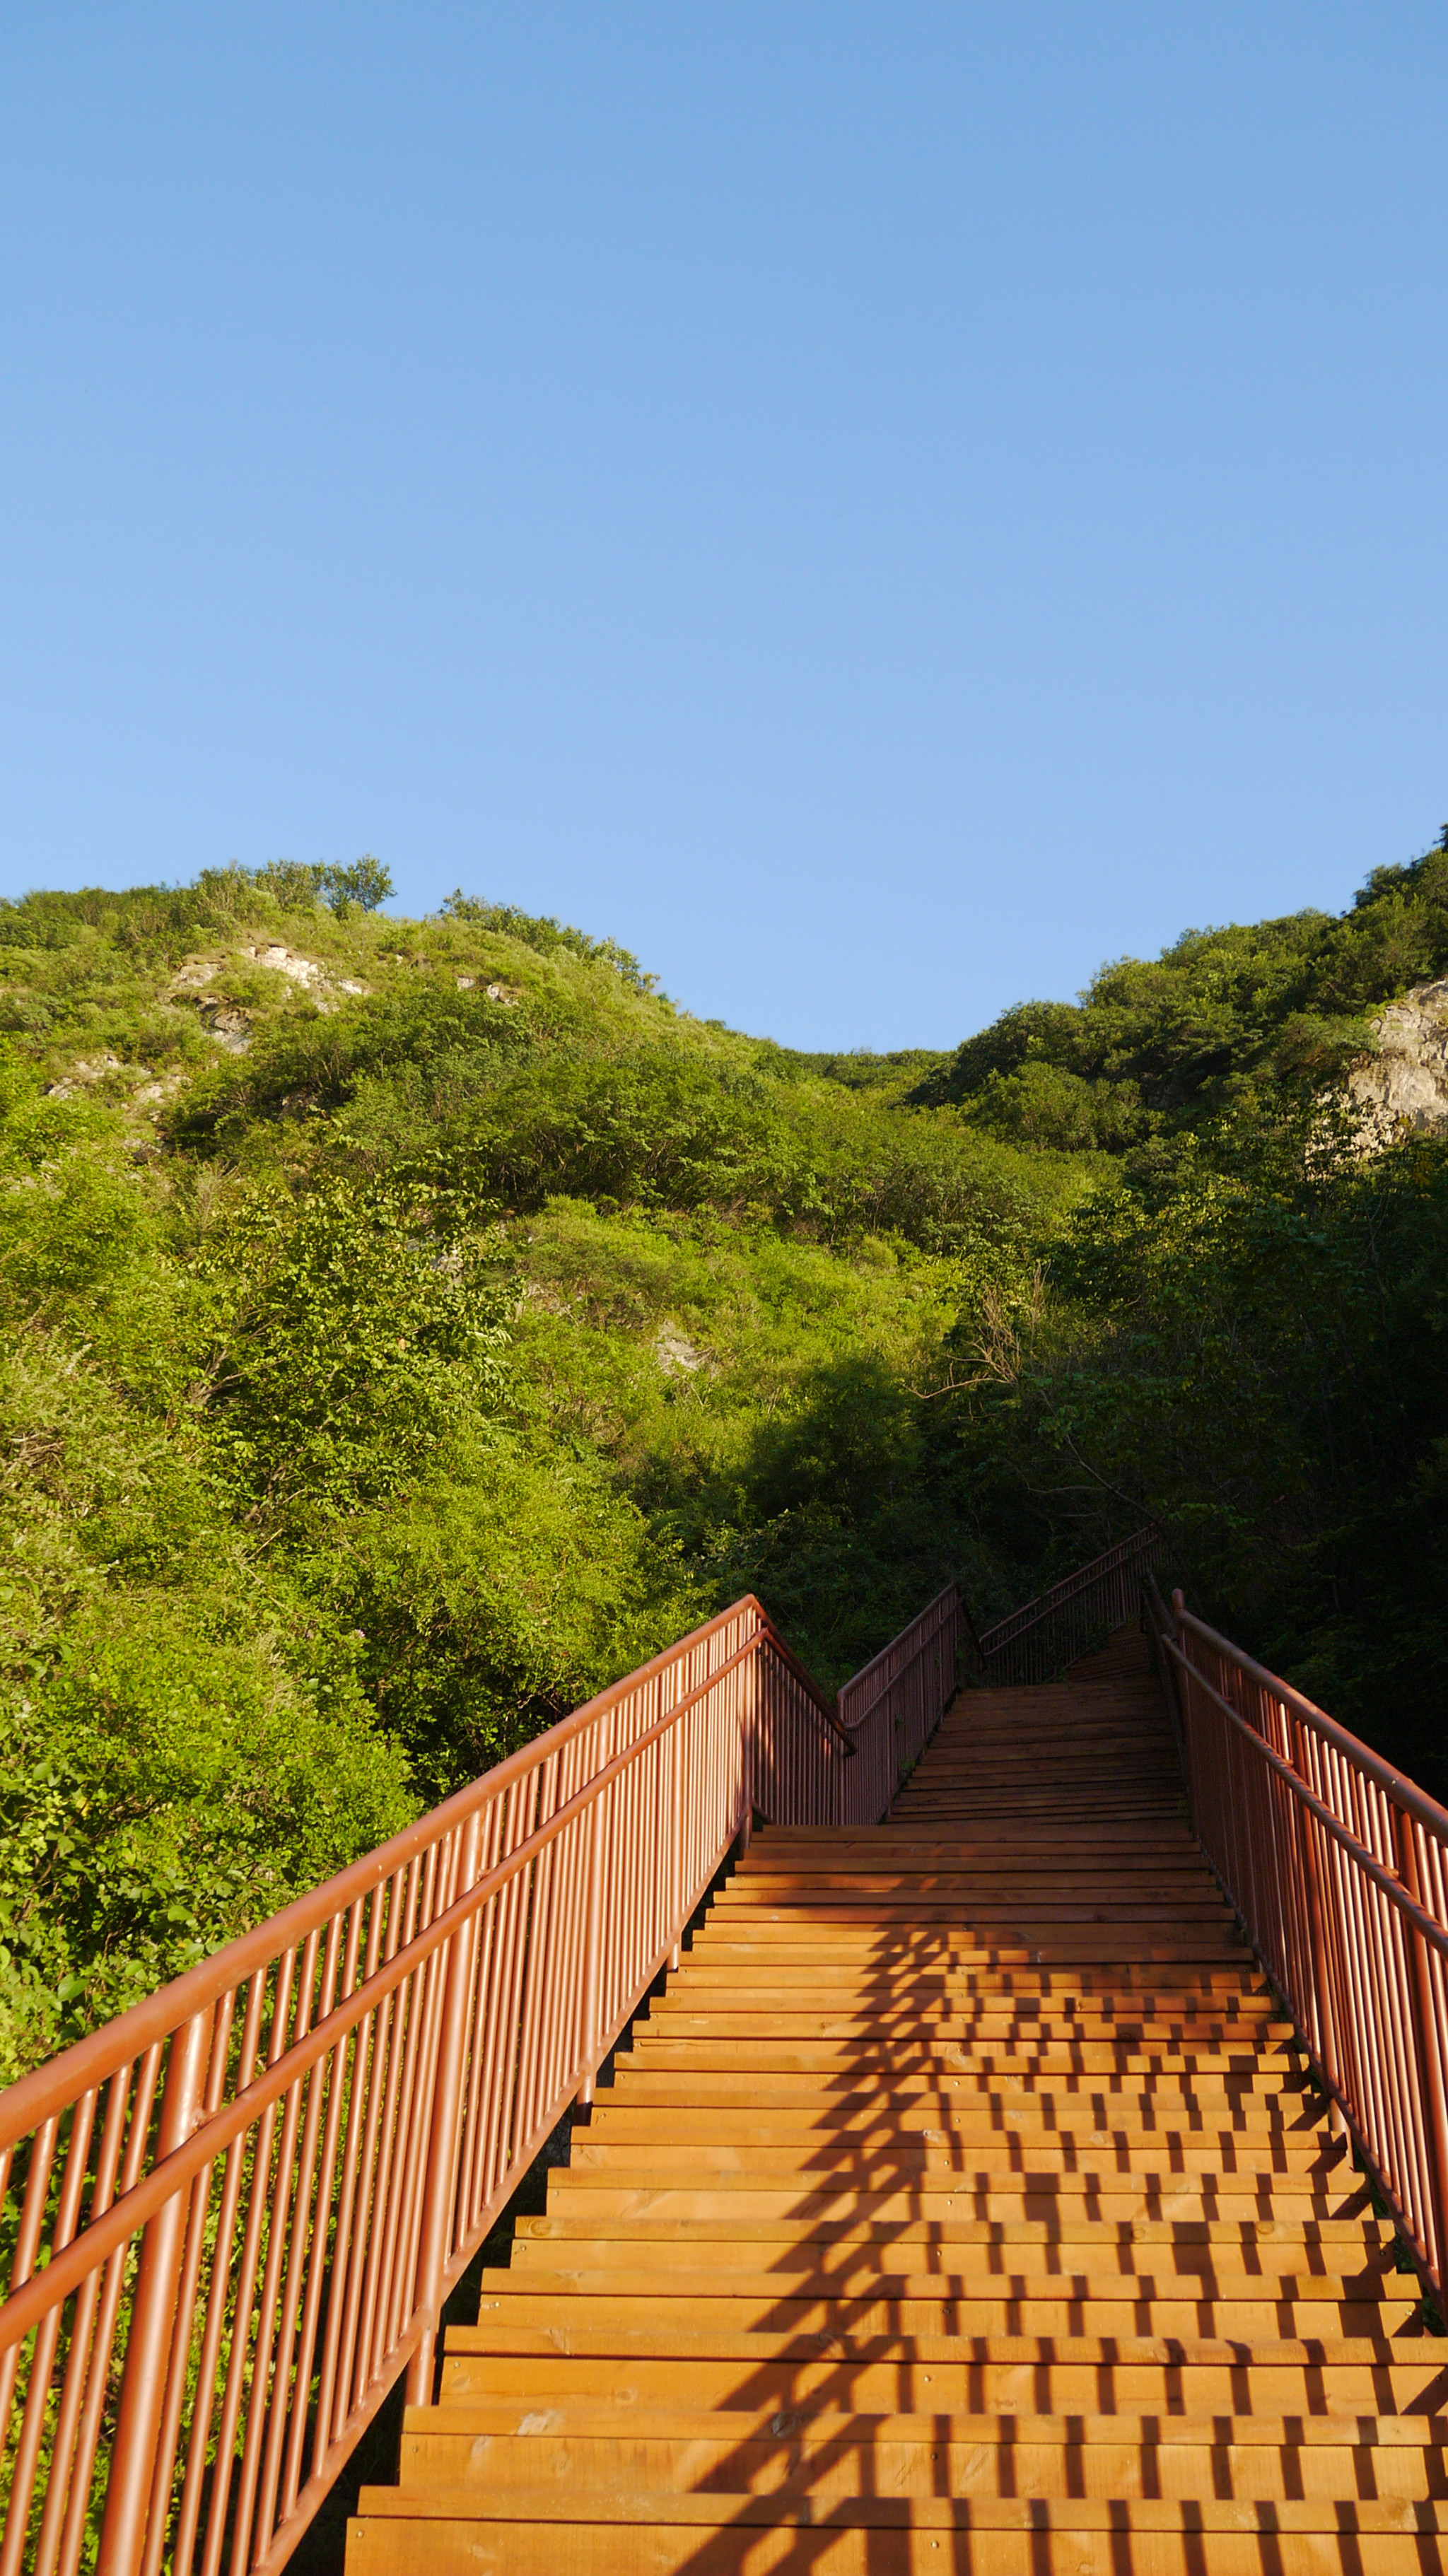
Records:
x=878, y=507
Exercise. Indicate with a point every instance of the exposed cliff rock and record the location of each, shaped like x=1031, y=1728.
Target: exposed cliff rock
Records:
x=1406, y=1083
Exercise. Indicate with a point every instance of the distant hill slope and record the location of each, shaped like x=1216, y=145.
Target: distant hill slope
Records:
x=411, y=1325
x=1223, y=1020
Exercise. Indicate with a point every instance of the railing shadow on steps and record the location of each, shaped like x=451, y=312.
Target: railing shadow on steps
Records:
x=1337, y=1865
x=234, y=2213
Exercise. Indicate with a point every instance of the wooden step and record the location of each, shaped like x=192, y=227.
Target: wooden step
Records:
x=981, y=2077
x=1009, y=2375
x=1078, y=2270
x=1088, y=2160
x=835, y=2454
x=905, y=2307
x=979, y=2111
x=1258, y=2245
x=431, y=2531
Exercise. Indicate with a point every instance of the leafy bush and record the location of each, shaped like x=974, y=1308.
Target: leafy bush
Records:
x=160, y=1791
x=547, y=936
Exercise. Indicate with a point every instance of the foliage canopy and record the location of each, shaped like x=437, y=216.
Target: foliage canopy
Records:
x=409, y=1326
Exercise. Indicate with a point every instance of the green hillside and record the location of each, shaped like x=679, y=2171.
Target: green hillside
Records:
x=413, y=1325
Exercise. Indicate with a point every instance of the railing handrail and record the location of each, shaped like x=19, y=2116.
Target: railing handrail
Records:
x=1337, y=1865
x=216, y=2132
x=1362, y=1853
x=819, y=1700
x=921, y=1622
x=1031, y=1613
x=1397, y=1784
x=94, y=2057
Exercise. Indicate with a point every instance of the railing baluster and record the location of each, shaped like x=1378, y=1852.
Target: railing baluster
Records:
x=153, y=2311
x=593, y=1934
x=443, y=2143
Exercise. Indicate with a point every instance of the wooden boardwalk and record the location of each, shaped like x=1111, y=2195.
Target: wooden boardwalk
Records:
x=958, y=2206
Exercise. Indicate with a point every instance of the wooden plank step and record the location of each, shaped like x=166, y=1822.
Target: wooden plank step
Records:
x=768, y=1975
x=992, y=2514
x=940, y=2197
x=433, y=2543
x=1253, y=2241
x=1384, y=2302
x=558, y=2309
x=1248, y=2154
x=966, y=2120
x=1077, y=2269
x=1242, y=2079
x=950, y=2056
x=508, y=2448
x=580, y=2327
x=1032, y=2036
x=850, y=2427
x=727, y=2013
x=599, y=2265
x=1240, y=2381
x=1137, y=2274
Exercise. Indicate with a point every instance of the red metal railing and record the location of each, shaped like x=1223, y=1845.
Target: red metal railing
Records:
x=1039, y=1640
x=890, y=1708
x=236, y=2211
x=1338, y=1867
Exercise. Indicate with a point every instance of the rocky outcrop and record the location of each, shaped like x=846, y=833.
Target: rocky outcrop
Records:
x=1405, y=1085
x=313, y=978
x=228, y=1021
x=86, y=1069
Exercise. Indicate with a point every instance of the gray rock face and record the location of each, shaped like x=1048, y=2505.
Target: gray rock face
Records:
x=1406, y=1083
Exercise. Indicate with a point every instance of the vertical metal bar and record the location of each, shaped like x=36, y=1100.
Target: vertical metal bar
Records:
x=143, y=2388
x=676, y=1773
x=190, y=2515
x=593, y=1925
x=27, y=2246
x=47, y=2341
x=439, y=2189
x=241, y=2372
x=322, y=2265
x=185, y=2305
x=421, y=2097
x=751, y=1692
x=339, y=2266
x=97, y=2307
x=1323, y=2033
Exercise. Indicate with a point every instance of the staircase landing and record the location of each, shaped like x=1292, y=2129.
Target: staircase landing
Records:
x=959, y=2206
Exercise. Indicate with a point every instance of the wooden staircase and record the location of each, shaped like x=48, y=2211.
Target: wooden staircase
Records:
x=960, y=2204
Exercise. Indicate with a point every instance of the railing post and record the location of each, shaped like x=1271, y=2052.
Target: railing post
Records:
x=442, y=2145
x=1430, y=2051
x=153, y=2318
x=748, y=1720
x=676, y=1772
x=1152, y=1604
x=593, y=1930
x=1184, y=1709
x=1322, y=1992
